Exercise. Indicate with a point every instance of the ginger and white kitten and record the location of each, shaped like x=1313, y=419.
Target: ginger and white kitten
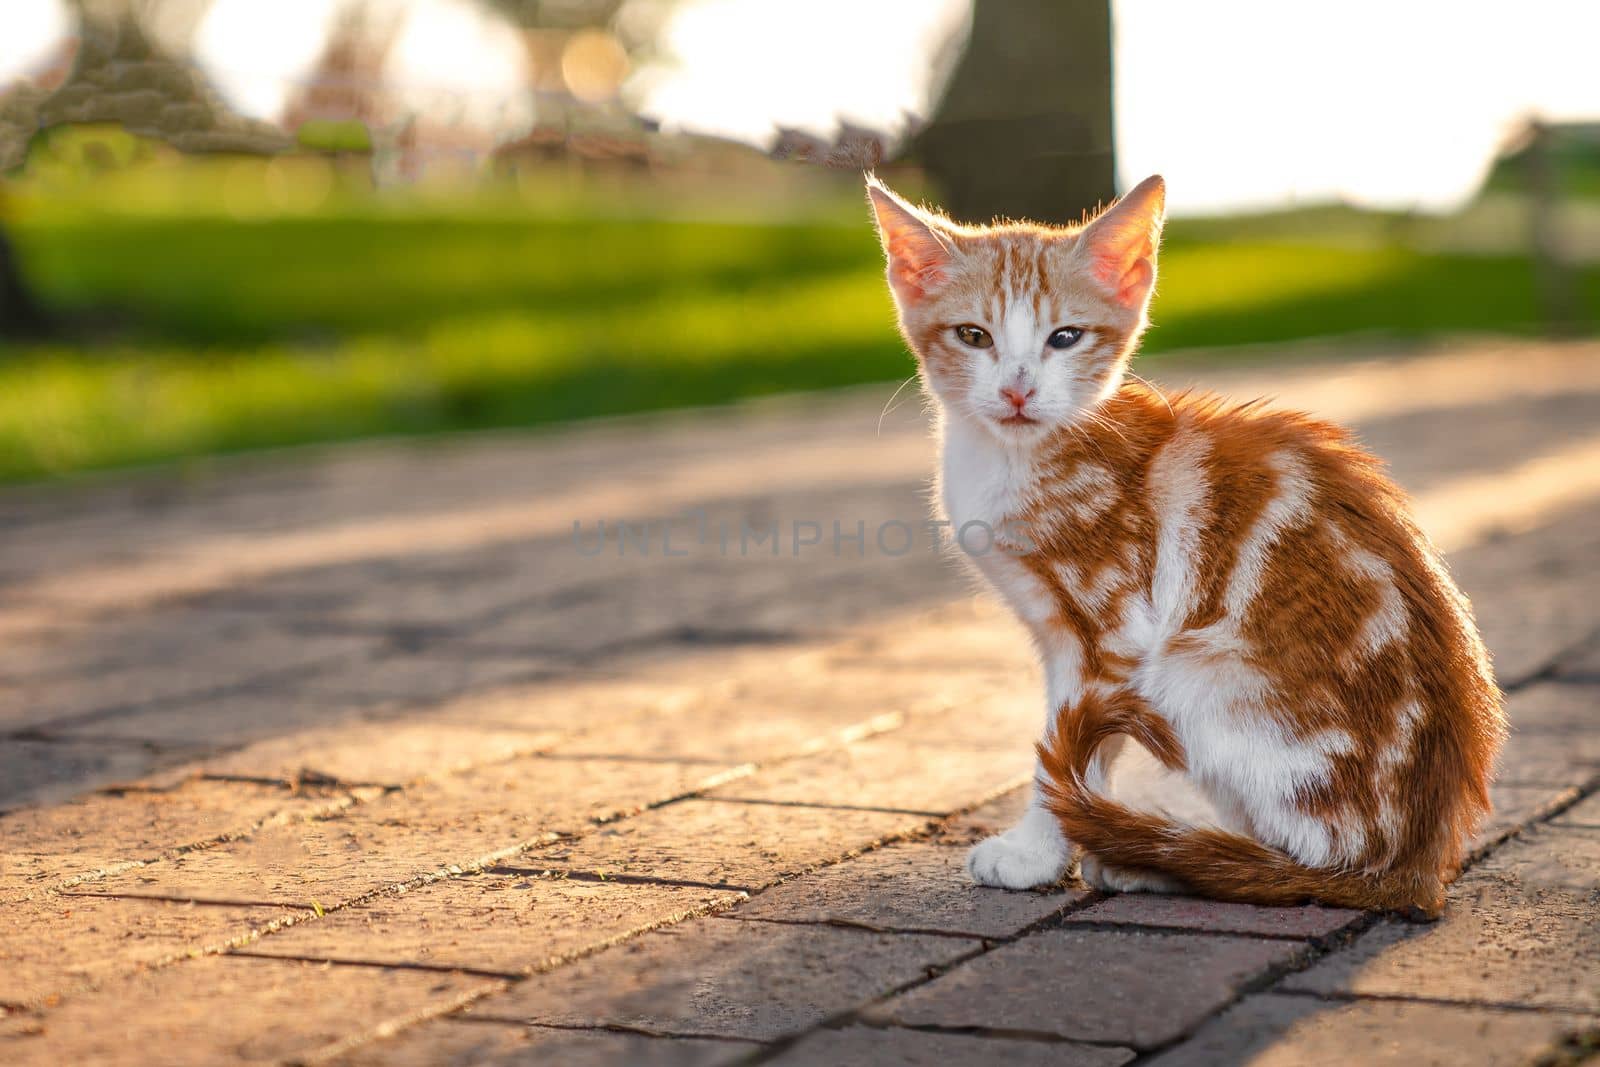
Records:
x=1241, y=590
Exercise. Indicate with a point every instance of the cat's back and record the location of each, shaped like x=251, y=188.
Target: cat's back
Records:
x=1280, y=503
x=1267, y=470
x=1302, y=557
x=1309, y=552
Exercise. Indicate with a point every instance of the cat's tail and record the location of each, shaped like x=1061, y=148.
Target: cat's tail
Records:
x=1212, y=862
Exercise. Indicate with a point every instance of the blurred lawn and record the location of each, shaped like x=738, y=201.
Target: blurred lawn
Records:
x=199, y=331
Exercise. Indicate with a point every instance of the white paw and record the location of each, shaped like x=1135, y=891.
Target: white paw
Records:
x=1017, y=862
x=1098, y=875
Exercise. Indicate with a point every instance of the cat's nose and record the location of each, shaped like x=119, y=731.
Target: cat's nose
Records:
x=1018, y=397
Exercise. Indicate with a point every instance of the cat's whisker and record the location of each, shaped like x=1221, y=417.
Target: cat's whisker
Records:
x=1112, y=427
x=1148, y=384
x=1102, y=423
x=887, y=409
x=1088, y=439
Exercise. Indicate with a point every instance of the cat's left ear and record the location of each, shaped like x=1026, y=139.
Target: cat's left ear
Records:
x=918, y=253
x=1122, y=242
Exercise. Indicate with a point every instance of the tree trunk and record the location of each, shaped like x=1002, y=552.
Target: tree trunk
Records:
x=1554, y=279
x=1024, y=127
x=20, y=315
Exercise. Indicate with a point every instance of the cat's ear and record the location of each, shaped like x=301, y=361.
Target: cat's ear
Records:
x=918, y=252
x=1122, y=242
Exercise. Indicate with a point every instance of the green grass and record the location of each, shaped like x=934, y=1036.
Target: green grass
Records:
x=202, y=333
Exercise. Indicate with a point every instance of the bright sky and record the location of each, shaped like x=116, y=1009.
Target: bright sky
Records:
x=1245, y=103
x=29, y=31
x=740, y=67
x=451, y=60
x=1240, y=103
x=255, y=53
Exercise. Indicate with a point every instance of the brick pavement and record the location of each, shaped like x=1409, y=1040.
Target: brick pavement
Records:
x=353, y=757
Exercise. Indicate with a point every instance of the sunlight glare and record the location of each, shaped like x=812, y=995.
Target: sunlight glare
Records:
x=742, y=68
x=30, y=31
x=256, y=54
x=453, y=62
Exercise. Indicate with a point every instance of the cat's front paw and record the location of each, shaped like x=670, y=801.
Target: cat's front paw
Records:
x=1012, y=861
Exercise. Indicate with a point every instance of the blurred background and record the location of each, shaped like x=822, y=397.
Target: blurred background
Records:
x=231, y=224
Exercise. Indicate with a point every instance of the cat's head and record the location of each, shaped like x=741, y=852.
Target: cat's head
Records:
x=1019, y=327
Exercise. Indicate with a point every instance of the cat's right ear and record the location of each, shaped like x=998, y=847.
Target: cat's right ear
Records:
x=918, y=253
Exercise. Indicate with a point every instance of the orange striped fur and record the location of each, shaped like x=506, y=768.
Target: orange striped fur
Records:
x=1239, y=589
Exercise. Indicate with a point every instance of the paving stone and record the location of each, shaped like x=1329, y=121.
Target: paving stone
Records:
x=1004, y=718
x=709, y=584
x=906, y=886
x=1122, y=987
x=890, y=771
x=230, y=1009
x=1518, y=805
x=1553, y=740
x=71, y=646
x=993, y=816
x=700, y=594
x=507, y=923
x=1554, y=736
x=18, y=1022
x=1522, y=645
x=1270, y=1030
x=454, y=1042
x=426, y=592
x=842, y=597
x=44, y=846
x=421, y=678
x=737, y=705
x=1550, y=759
x=390, y=751
x=204, y=655
x=1191, y=913
x=353, y=525
x=589, y=698
x=1520, y=930
x=987, y=638
x=218, y=720
x=723, y=728
x=1585, y=814
x=1532, y=592
x=1582, y=665
x=1564, y=709
x=56, y=647
x=456, y=820
x=722, y=843
x=860, y=1046
x=58, y=943
x=736, y=979
x=1430, y=448
x=47, y=772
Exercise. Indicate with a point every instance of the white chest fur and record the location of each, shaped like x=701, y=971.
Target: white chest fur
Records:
x=984, y=483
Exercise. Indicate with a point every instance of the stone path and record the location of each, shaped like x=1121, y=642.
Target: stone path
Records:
x=358, y=757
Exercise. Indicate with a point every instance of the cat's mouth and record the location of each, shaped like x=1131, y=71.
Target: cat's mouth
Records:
x=1018, y=419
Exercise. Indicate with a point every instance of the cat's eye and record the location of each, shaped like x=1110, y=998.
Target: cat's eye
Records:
x=974, y=336
x=1065, y=337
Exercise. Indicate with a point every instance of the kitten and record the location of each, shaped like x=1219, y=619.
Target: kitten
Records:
x=1240, y=590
